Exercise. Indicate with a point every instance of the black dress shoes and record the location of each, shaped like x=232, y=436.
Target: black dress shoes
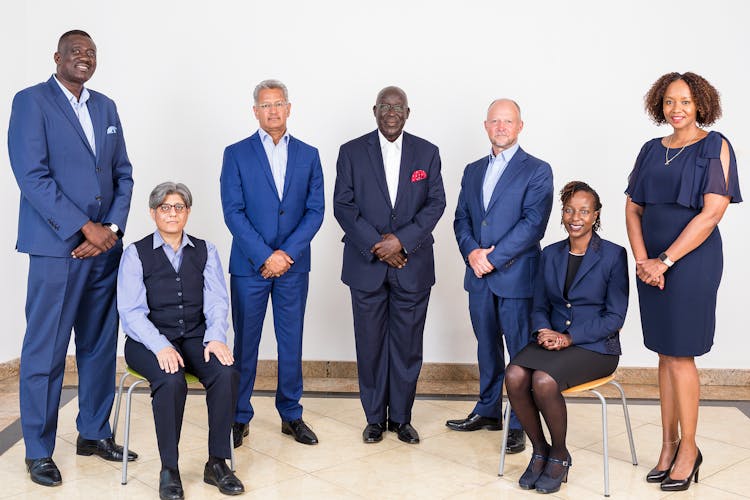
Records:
x=301, y=432
x=670, y=484
x=405, y=432
x=220, y=475
x=44, y=471
x=105, y=448
x=170, y=485
x=516, y=441
x=475, y=422
x=239, y=431
x=373, y=433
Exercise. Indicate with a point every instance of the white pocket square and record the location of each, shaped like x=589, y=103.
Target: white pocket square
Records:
x=111, y=130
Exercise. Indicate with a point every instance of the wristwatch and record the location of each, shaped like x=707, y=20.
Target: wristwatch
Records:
x=665, y=259
x=114, y=227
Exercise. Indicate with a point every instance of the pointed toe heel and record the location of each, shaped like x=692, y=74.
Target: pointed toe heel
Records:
x=670, y=484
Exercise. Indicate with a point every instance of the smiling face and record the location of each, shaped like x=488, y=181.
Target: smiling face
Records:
x=678, y=106
x=579, y=215
x=503, y=124
x=391, y=112
x=170, y=222
x=76, y=62
x=272, y=111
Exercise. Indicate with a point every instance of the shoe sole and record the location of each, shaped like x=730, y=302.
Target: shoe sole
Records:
x=53, y=484
x=485, y=427
x=109, y=458
x=513, y=451
x=290, y=433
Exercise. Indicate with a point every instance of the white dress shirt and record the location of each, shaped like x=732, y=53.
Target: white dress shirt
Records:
x=392, y=162
x=82, y=112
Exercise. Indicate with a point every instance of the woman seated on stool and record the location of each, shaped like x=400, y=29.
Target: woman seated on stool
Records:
x=580, y=301
x=173, y=306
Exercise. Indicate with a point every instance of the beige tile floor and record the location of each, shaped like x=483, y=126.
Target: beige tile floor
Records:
x=445, y=464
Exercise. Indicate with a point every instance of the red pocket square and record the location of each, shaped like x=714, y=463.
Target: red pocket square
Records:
x=418, y=175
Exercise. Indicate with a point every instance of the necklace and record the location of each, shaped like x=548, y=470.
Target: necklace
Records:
x=667, y=159
x=576, y=254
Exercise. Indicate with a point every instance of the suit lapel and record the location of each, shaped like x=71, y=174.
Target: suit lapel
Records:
x=377, y=163
x=291, y=157
x=592, y=256
x=561, y=266
x=97, y=122
x=514, y=167
x=67, y=110
x=260, y=154
x=404, y=173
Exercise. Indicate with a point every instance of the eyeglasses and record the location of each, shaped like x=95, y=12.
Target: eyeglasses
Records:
x=272, y=105
x=387, y=108
x=584, y=212
x=167, y=207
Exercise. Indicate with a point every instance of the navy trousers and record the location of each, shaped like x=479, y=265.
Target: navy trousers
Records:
x=67, y=294
x=493, y=319
x=169, y=391
x=249, y=302
x=388, y=330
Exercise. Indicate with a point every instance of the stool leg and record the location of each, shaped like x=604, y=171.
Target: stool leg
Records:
x=504, y=443
x=231, y=449
x=605, y=441
x=117, y=405
x=627, y=421
x=126, y=441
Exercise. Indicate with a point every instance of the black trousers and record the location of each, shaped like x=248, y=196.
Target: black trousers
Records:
x=169, y=390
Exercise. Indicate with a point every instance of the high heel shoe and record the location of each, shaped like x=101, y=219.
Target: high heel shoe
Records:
x=657, y=476
x=547, y=483
x=530, y=476
x=670, y=484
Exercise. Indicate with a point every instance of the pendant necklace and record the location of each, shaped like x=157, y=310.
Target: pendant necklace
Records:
x=667, y=159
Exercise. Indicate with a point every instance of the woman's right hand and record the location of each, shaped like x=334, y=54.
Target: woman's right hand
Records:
x=170, y=360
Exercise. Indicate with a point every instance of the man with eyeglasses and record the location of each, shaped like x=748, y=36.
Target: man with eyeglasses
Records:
x=388, y=198
x=502, y=213
x=272, y=196
x=68, y=155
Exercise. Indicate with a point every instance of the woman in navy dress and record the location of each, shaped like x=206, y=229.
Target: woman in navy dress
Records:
x=677, y=193
x=580, y=301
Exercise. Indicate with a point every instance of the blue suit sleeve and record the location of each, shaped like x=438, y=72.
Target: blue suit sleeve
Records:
x=312, y=219
x=462, y=222
x=122, y=176
x=541, y=305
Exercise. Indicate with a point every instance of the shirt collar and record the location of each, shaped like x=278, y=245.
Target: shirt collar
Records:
x=506, y=154
x=265, y=136
x=159, y=241
x=385, y=142
x=69, y=95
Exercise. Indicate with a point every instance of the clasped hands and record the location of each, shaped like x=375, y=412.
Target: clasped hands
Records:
x=276, y=265
x=170, y=360
x=651, y=272
x=99, y=239
x=390, y=250
x=552, y=340
x=479, y=263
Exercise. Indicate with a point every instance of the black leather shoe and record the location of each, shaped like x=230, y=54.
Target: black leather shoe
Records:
x=301, y=432
x=105, y=448
x=170, y=485
x=670, y=484
x=475, y=422
x=239, y=431
x=406, y=432
x=657, y=476
x=44, y=471
x=516, y=441
x=219, y=474
x=373, y=433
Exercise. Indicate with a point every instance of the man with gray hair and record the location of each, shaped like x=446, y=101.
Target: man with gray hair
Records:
x=272, y=196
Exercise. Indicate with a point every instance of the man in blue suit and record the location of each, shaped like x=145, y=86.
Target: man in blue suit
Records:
x=388, y=198
x=272, y=195
x=502, y=213
x=68, y=155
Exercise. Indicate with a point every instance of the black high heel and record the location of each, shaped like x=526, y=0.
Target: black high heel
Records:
x=657, y=476
x=670, y=484
x=550, y=484
x=530, y=477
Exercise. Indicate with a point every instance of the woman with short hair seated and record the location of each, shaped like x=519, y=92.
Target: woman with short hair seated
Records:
x=580, y=301
x=173, y=305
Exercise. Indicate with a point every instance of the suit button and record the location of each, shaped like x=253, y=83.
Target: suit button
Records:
x=180, y=321
x=179, y=294
x=568, y=306
x=567, y=322
x=98, y=198
x=484, y=222
x=178, y=279
x=180, y=306
x=281, y=212
x=98, y=169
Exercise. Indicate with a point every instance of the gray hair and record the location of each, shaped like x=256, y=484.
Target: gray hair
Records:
x=164, y=189
x=508, y=100
x=270, y=84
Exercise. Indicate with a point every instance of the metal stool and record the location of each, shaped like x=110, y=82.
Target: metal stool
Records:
x=590, y=387
x=129, y=372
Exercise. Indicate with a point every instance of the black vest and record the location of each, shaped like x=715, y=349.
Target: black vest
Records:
x=175, y=299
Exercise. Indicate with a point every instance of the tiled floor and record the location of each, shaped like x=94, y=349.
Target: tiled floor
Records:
x=445, y=464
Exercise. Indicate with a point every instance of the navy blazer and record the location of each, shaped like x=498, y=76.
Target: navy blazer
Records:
x=260, y=221
x=515, y=221
x=64, y=184
x=362, y=206
x=597, y=298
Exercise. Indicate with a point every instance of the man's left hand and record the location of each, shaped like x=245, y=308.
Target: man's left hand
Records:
x=386, y=248
x=220, y=350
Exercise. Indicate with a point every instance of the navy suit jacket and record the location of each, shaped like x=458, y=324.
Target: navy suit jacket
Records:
x=597, y=299
x=362, y=206
x=260, y=221
x=64, y=184
x=515, y=221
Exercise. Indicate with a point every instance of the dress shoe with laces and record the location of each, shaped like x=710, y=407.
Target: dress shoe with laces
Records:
x=239, y=431
x=301, y=432
x=405, y=432
x=105, y=448
x=44, y=471
x=373, y=433
x=220, y=475
x=475, y=422
x=170, y=484
x=670, y=484
x=516, y=441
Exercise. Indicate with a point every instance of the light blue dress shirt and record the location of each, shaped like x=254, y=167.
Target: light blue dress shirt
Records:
x=495, y=169
x=277, y=155
x=133, y=306
x=82, y=112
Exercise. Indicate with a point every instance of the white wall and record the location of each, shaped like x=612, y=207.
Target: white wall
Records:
x=182, y=74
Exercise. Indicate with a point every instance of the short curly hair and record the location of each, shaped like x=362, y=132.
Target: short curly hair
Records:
x=705, y=96
x=571, y=188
